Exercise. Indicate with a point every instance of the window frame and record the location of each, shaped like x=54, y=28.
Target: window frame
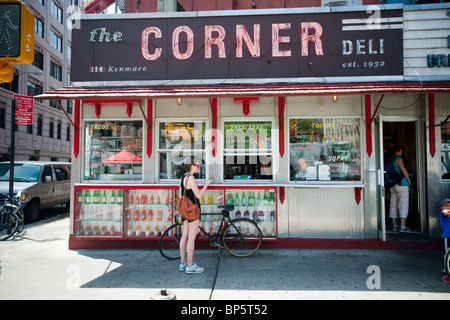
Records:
x=223, y=152
x=206, y=155
x=327, y=182
x=83, y=143
x=442, y=150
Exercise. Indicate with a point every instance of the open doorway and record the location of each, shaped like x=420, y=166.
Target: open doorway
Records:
x=405, y=135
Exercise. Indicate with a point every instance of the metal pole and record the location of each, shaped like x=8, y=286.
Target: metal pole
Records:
x=12, y=146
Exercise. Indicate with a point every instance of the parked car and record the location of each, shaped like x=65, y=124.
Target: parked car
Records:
x=41, y=184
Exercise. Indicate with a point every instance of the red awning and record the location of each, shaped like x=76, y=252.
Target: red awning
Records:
x=246, y=90
x=123, y=157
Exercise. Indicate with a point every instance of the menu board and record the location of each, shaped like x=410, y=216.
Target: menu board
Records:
x=325, y=149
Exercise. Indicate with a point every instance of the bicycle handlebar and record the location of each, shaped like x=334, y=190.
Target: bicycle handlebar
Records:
x=14, y=199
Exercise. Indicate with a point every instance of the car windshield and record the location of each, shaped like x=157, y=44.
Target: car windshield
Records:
x=22, y=172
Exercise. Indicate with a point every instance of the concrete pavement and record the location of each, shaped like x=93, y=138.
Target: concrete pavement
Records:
x=38, y=265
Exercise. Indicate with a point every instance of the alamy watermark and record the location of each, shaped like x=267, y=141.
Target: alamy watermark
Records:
x=374, y=280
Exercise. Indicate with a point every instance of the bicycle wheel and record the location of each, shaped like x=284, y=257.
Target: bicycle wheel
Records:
x=21, y=217
x=169, y=243
x=446, y=261
x=8, y=223
x=242, y=237
x=18, y=212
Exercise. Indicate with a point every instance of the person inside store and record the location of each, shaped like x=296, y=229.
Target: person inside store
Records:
x=399, y=206
x=190, y=228
x=445, y=227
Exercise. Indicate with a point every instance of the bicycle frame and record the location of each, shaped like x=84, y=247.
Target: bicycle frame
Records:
x=226, y=220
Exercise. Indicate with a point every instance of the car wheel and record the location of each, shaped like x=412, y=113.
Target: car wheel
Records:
x=32, y=211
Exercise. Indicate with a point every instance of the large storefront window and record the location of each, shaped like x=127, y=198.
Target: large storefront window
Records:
x=180, y=143
x=113, y=150
x=325, y=149
x=445, y=151
x=248, y=150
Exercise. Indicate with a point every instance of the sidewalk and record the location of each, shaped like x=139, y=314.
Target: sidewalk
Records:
x=38, y=265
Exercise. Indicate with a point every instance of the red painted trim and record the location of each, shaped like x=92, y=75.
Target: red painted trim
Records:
x=358, y=195
x=129, y=109
x=98, y=109
x=214, y=125
x=149, y=127
x=431, y=125
x=282, y=195
x=280, y=243
x=281, y=125
x=246, y=103
x=368, y=111
x=76, y=132
x=109, y=101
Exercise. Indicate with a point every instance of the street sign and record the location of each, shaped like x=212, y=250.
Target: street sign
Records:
x=24, y=109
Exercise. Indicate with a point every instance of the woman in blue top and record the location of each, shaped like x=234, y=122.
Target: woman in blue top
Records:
x=399, y=206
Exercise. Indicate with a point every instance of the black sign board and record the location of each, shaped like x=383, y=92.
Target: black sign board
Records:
x=277, y=46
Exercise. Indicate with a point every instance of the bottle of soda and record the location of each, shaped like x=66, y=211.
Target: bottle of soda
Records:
x=243, y=200
x=229, y=199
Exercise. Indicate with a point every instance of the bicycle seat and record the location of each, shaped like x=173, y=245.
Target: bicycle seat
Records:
x=229, y=207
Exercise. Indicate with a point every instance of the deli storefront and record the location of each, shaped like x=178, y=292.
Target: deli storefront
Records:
x=290, y=112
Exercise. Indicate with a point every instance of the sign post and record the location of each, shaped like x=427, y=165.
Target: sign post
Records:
x=12, y=146
x=21, y=112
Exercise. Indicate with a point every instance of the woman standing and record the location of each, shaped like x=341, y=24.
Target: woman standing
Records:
x=190, y=228
x=400, y=193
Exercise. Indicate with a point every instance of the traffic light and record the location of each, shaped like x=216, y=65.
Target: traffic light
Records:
x=16, y=37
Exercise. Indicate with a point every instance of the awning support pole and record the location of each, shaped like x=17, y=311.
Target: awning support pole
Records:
x=143, y=114
x=67, y=116
x=214, y=125
x=376, y=109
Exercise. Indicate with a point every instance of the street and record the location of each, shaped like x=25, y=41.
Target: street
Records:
x=38, y=265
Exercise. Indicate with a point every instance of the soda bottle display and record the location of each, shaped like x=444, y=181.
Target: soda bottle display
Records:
x=119, y=198
x=236, y=199
x=251, y=199
x=143, y=215
x=113, y=197
x=229, y=199
x=243, y=200
x=87, y=197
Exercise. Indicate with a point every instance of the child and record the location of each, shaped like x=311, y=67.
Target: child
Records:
x=445, y=226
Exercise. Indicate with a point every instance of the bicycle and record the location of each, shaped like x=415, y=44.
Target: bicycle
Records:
x=447, y=261
x=241, y=237
x=11, y=217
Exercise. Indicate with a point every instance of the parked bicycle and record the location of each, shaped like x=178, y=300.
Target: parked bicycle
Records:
x=241, y=237
x=11, y=217
x=447, y=261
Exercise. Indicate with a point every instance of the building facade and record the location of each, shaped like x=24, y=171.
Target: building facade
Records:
x=293, y=111
x=51, y=134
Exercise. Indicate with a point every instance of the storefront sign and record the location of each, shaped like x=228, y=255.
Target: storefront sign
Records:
x=259, y=46
x=438, y=60
x=24, y=109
